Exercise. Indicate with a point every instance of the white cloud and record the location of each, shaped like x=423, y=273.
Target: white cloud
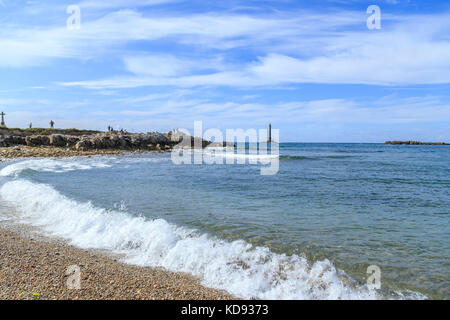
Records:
x=307, y=47
x=102, y=4
x=167, y=65
x=156, y=65
x=413, y=51
x=388, y=110
x=223, y=31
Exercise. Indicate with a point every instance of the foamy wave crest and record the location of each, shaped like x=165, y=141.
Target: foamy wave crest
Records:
x=222, y=154
x=237, y=267
x=52, y=165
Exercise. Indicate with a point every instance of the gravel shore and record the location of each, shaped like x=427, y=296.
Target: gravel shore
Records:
x=34, y=267
x=55, y=152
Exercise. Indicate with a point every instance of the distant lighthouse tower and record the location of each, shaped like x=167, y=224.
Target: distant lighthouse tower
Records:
x=270, y=134
x=2, y=124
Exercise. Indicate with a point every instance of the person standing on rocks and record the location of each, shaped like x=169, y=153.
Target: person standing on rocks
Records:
x=52, y=124
x=31, y=125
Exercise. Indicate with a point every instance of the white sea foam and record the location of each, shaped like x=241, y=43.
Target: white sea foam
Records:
x=221, y=155
x=238, y=267
x=73, y=164
x=53, y=165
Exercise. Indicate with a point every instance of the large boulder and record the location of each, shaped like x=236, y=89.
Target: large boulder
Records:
x=35, y=141
x=137, y=141
x=155, y=138
x=124, y=142
x=58, y=140
x=106, y=142
x=114, y=141
x=83, y=145
x=4, y=141
x=72, y=141
x=95, y=143
x=17, y=140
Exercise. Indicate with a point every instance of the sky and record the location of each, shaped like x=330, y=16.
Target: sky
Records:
x=311, y=68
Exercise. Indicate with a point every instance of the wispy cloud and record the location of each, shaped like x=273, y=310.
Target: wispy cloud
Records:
x=385, y=110
x=101, y=4
x=411, y=51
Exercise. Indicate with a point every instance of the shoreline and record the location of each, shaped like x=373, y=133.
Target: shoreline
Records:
x=18, y=152
x=33, y=267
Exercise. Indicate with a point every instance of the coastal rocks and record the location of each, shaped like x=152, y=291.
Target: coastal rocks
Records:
x=58, y=140
x=417, y=143
x=7, y=141
x=71, y=140
x=82, y=145
x=33, y=141
x=95, y=143
x=124, y=141
x=157, y=138
x=4, y=142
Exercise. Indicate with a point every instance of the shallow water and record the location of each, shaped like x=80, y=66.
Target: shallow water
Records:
x=308, y=232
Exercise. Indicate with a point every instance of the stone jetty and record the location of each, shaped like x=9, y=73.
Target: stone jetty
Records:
x=418, y=143
x=72, y=142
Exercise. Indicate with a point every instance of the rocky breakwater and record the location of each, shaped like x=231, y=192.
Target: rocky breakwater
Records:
x=15, y=143
x=64, y=145
x=417, y=143
x=150, y=141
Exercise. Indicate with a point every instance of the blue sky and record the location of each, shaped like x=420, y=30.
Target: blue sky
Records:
x=311, y=68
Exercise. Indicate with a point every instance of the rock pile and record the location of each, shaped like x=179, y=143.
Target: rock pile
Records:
x=103, y=141
x=17, y=143
x=418, y=143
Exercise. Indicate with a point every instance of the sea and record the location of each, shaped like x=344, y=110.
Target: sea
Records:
x=336, y=221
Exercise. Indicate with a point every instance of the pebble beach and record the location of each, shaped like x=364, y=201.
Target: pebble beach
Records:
x=33, y=267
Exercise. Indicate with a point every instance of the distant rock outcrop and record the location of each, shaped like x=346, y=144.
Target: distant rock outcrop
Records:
x=417, y=143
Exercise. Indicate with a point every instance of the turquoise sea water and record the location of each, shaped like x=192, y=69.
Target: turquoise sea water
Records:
x=330, y=212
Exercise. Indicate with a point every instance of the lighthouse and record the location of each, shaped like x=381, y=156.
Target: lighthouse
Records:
x=270, y=133
x=2, y=124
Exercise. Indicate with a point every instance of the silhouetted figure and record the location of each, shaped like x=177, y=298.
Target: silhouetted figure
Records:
x=52, y=124
x=109, y=128
x=31, y=125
